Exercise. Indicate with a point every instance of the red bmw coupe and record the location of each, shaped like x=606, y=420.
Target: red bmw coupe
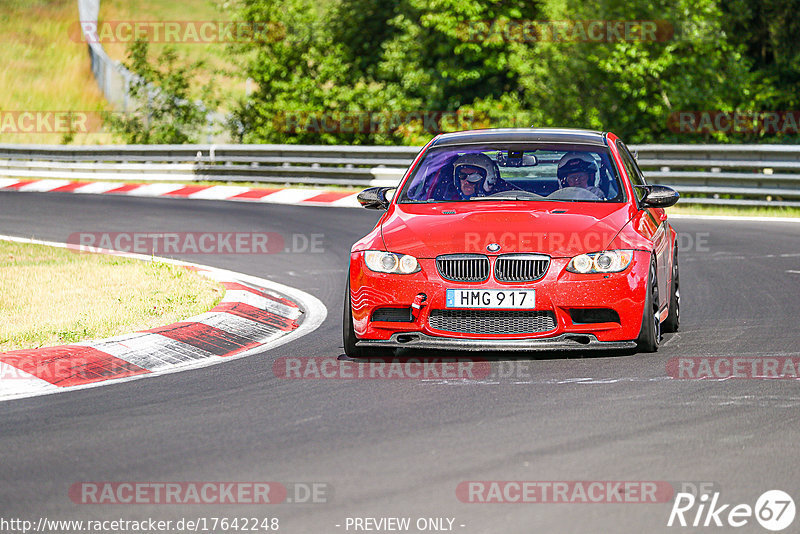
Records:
x=515, y=239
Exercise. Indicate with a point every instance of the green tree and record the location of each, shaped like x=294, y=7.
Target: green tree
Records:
x=163, y=111
x=367, y=56
x=347, y=56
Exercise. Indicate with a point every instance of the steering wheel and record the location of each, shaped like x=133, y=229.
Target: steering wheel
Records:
x=573, y=193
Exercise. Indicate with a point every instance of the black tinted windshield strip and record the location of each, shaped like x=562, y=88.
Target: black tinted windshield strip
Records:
x=534, y=145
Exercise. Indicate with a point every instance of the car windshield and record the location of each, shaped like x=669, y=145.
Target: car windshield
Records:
x=572, y=173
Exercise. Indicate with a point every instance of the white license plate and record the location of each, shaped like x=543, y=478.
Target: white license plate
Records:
x=523, y=299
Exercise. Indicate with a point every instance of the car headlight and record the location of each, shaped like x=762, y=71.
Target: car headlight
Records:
x=608, y=261
x=389, y=262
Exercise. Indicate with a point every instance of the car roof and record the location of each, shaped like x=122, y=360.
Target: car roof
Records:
x=521, y=135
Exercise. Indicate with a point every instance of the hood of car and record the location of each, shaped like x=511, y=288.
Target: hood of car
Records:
x=559, y=229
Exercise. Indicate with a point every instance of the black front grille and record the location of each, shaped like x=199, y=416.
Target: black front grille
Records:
x=463, y=267
x=393, y=315
x=492, y=321
x=520, y=267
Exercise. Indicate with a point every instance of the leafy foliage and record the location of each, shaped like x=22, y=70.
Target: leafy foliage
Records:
x=163, y=111
x=345, y=57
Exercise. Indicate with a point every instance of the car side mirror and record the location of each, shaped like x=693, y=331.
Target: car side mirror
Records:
x=376, y=198
x=658, y=196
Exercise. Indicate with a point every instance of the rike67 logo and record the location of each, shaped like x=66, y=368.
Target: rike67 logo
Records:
x=774, y=510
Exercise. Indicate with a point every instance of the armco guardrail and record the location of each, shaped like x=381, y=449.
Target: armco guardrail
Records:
x=704, y=174
x=291, y=164
x=112, y=78
x=762, y=175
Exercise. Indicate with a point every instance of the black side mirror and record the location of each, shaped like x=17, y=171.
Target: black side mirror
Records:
x=375, y=198
x=658, y=196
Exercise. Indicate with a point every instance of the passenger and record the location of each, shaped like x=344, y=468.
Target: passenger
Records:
x=578, y=169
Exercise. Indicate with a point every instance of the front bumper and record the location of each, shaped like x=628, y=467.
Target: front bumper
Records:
x=558, y=292
x=419, y=340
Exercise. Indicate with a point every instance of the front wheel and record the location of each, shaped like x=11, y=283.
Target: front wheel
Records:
x=348, y=332
x=673, y=320
x=349, y=338
x=650, y=332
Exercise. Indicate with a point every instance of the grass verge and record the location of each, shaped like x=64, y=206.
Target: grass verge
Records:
x=227, y=78
x=54, y=296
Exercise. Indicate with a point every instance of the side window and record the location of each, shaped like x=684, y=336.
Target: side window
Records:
x=631, y=169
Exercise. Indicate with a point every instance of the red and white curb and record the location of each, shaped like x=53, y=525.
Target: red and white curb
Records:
x=295, y=196
x=255, y=315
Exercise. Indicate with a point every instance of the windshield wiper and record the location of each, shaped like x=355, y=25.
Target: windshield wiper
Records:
x=516, y=195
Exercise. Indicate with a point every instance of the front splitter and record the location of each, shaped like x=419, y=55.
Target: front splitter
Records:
x=562, y=342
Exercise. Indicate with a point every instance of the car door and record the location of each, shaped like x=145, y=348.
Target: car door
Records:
x=652, y=223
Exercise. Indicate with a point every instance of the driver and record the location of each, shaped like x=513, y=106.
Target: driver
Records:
x=578, y=169
x=473, y=175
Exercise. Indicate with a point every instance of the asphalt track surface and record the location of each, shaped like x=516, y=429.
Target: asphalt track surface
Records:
x=399, y=448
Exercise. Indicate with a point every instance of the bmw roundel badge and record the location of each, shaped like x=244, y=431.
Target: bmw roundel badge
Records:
x=493, y=247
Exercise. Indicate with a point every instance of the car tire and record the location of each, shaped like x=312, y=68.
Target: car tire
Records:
x=673, y=320
x=349, y=338
x=348, y=332
x=650, y=331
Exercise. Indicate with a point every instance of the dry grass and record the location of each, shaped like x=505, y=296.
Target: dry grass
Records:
x=218, y=69
x=52, y=296
x=43, y=68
